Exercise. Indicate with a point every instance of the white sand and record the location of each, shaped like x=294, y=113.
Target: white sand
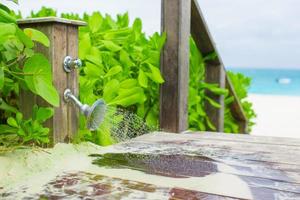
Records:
x=276, y=115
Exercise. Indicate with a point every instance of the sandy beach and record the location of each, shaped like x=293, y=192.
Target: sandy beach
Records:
x=276, y=115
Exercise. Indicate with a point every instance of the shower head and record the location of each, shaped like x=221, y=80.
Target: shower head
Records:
x=94, y=114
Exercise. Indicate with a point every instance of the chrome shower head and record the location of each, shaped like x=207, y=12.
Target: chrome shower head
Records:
x=94, y=114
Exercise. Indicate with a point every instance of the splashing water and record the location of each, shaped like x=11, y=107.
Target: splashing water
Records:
x=123, y=125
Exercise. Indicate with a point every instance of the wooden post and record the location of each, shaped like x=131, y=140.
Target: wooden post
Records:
x=63, y=36
x=237, y=109
x=215, y=72
x=175, y=65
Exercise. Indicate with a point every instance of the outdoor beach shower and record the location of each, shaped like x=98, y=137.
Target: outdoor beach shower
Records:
x=94, y=114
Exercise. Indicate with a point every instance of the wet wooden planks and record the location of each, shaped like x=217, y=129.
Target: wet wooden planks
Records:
x=83, y=185
x=269, y=166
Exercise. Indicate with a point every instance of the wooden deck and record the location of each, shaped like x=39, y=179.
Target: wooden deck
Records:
x=209, y=166
x=269, y=167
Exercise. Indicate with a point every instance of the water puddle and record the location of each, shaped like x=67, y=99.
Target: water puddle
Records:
x=174, y=165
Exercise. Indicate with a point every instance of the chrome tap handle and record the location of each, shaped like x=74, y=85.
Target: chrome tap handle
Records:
x=70, y=63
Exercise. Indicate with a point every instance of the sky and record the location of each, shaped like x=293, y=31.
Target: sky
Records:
x=247, y=33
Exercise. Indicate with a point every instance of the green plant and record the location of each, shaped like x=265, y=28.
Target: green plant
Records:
x=44, y=12
x=23, y=132
x=121, y=65
x=241, y=85
x=198, y=118
x=22, y=69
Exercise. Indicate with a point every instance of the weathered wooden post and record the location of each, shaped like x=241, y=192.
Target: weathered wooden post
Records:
x=63, y=36
x=175, y=65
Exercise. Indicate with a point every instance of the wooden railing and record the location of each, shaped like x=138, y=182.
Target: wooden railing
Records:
x=180, y=19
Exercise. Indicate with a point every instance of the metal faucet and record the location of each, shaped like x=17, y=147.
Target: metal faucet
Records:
x=94, y=114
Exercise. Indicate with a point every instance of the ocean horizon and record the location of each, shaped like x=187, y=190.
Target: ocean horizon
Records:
x=272, y=81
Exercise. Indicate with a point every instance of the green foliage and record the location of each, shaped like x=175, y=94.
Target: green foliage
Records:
x=121, y=65
x=241, y=85
x=22, y=69
x=198, y=118
x=31, y=131
x=39, y=78
x=44, y=12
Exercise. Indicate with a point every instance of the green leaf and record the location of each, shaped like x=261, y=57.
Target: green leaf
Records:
x=128, y=83
x=95, y=22
x=38, y=36
x=111, y=46
x=111, y=90
x=4, y=129
x=125, y=59
x=94, y=59
x=7, y=29
x=5, y=8
x=6, y=107
x=15, y=1
x=113, y=71
x=39, y=78
x=143, y=80
x=210, y=125
x=93, y=71
x=43, y=114
x=152, y=117
x=6, y=17
x=128, y=97
x=1, y=78
x=12, y=122
x=24, y=38
x=84, y=45
x=212, y=102
x=155, y=75
x=19, y=117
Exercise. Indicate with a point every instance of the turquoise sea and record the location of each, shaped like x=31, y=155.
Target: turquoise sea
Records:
x=272, y=81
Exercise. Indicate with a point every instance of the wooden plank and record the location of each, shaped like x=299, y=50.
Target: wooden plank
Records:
x=43, y=20
x=59, y=44
x=236, y=110
x=201, y=34
x=274, y=141
x=63, y=36
x=72, y=83
x=175, y=65
x=268, y=171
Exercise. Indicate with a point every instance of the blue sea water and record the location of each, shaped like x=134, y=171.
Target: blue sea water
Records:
x=272, y=81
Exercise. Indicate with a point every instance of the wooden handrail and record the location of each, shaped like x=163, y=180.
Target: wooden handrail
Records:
x=180, y=19
x=215, y=70
x=237, y=109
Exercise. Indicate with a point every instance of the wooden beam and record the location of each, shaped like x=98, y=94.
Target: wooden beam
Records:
x=175, y=65
x=215, y=72
x=201, y=34
x=236, y=108
x=63, y=36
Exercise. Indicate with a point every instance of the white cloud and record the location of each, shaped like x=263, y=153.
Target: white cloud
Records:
x=255, y=33
x=247, y=32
